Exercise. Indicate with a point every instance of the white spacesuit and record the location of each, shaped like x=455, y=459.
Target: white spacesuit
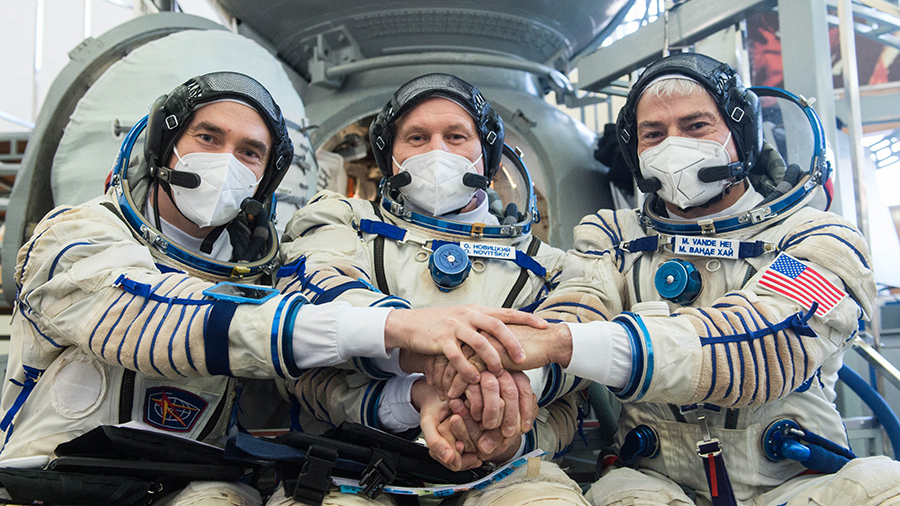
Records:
x=725, y=329
x=117, y=318
x=413, y=247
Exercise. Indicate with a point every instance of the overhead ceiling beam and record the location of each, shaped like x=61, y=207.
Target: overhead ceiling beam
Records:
x=688, y=23
x=881, y=107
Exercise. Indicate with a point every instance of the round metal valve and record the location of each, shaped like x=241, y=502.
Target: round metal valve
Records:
x=449, y=266
x=678, y=281
x=774, y=437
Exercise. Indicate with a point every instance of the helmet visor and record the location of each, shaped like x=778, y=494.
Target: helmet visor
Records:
x=512, y=194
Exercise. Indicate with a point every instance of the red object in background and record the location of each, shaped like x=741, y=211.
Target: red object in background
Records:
x=876, y=62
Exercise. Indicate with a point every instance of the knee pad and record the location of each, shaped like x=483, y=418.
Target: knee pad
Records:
x=548, y=486
x=334, y=498
x=216, y=493
x=863, y=482
x=627, y=487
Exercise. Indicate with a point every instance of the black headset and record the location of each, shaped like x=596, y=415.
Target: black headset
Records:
x=170, y=114
x=737, y=104
x=488, y=123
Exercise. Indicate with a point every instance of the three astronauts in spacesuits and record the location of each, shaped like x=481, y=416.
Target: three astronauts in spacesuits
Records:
x=718, y=313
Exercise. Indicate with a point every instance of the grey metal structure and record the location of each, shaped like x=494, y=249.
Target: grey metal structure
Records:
x=320, y=33
x=31, y=196
x=688, y=22
x=353, y=56
x=806, y=61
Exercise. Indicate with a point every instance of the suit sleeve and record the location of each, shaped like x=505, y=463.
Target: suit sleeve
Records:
x=85, y=281
x=329, y=261
x=750, y=346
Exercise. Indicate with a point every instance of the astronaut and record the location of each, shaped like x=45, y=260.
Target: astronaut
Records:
x=729, y=302
x=451, y=225
x=139, y=305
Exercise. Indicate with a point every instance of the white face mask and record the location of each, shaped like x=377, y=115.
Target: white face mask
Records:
x=224, y=183
x=677, y=161
x=437, y=181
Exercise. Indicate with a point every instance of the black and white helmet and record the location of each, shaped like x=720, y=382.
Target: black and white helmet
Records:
x=170, y=114
x=487, y=122
x=737, y=104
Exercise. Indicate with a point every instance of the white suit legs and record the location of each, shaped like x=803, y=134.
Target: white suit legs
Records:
x=872, y=481
x=213, y=493
x=334, y=498
x=550, y=486
x=627, y=487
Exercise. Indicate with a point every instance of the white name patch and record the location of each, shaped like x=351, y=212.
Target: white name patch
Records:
x=706, y=247
x=480, y=249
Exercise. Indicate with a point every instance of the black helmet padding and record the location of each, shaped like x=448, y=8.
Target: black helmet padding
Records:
x=488, y=123
x=738, y=105
x=170, y=114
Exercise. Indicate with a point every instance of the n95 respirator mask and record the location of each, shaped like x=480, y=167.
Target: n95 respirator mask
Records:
x=676, y=162
x=224, y=183
x=436, y=185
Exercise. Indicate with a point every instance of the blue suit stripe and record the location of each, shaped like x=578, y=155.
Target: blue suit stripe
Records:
x=61, y=253
x=36, y=329
x=605, y=231
x=159, y=327
x=312, y=228
x=103, y=318
x=575, y=305
x=788, y=241
x=144, y=329
x=127, y=330
x=852, y=248
x=187, y=335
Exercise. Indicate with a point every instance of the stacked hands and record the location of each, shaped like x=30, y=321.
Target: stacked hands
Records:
x=475, y=403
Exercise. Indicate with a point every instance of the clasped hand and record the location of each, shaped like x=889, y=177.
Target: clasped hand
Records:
x=485, y=420
x=484, y=424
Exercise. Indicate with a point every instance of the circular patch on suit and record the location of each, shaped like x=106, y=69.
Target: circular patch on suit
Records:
x=78, y=387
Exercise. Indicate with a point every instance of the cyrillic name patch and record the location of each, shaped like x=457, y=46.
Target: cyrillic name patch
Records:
x=480, y=249
x=706, y=247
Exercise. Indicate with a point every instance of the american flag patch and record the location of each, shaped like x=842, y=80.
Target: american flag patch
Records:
x=795, y=280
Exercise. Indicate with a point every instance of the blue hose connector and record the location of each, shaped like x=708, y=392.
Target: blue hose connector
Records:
x=449, y=267
x=678, y=281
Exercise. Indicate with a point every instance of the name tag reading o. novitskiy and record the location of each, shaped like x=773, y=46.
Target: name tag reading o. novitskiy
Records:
x=705, y=247
x=480, y=249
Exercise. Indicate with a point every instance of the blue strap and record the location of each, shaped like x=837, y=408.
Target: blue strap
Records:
x=246, y=447
x=292, y=268
x=145, y=290
x=751, y=249
x=649, y=243
x=215, y=338
x=381, y=228
x=31, y=377
x=717, y=478
x=526, y=262
x=522, y=259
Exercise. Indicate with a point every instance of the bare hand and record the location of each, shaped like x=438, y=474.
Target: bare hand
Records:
x=435, y=331
x=433, y=412
x=552, y=345
x=503, y=401
x=486, y=445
